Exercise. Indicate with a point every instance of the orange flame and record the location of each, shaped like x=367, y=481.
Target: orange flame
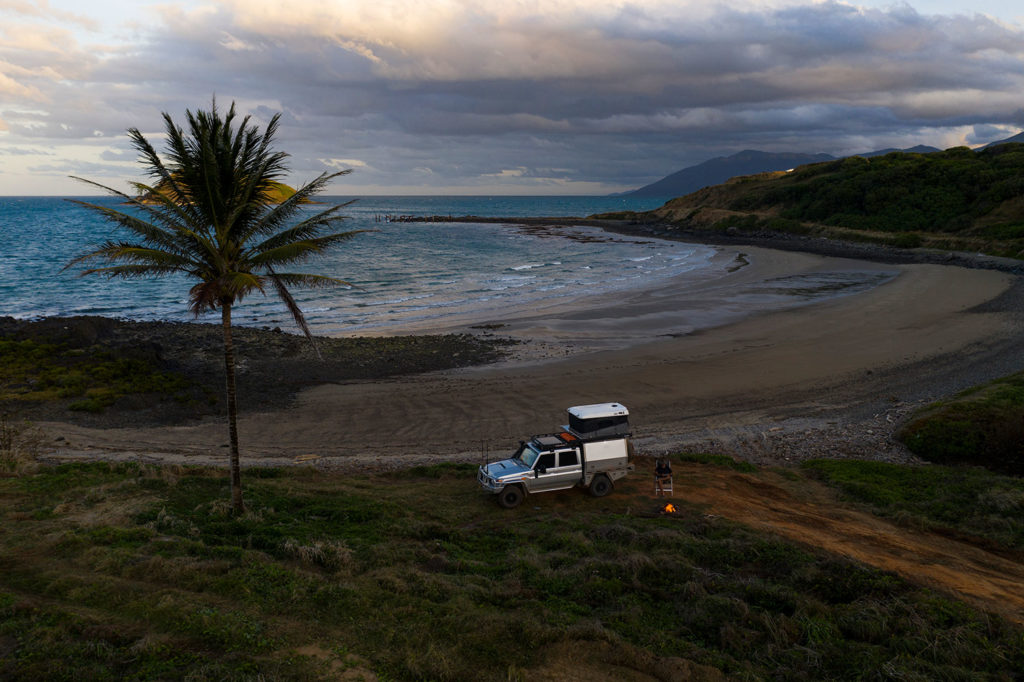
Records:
x=668, y=509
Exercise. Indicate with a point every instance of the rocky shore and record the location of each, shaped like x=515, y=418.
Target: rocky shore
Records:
x=272, y=365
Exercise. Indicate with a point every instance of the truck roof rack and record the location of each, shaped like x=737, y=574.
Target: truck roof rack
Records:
x=567, y=439
x=555, y=440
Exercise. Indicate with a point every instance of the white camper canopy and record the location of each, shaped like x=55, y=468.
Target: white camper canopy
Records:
x=599, y=410
x=601, y=420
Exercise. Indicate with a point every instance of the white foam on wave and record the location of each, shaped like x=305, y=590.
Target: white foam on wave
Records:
x=395, y=301
x=528, y=266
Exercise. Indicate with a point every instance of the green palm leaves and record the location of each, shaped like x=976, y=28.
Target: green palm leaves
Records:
x=215, y=213
x=212, y=214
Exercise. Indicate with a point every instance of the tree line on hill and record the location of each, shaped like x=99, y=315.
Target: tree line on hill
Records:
x=749, y=161
x=957, y=199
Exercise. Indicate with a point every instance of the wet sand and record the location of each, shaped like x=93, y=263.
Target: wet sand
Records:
x=927, y=331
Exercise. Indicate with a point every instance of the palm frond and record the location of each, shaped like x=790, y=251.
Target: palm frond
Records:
x=282, y=213
x=230, y=287
x=307, y=227
x=204, y=295
x=123, y=252
x=159, y=217
x=181, y=203
x=293, y=308
x=131, y=271
x=309, y=281
x=170, y=240
x=240, y=284
x=280, y=251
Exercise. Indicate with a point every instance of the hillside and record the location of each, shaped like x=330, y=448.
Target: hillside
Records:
x=957, y=199
x=720, y=169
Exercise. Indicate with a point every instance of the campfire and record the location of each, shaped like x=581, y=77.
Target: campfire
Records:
x=669, y=509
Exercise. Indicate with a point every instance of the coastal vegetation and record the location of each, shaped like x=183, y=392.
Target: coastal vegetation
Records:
x=982, y=426
x=958, y=199
x=90, y=380
x=103, y=371
x=970, y=502
x=214, y=216
x=142, y=572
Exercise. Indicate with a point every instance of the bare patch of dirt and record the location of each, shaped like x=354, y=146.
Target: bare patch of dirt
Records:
x=348, y=667
x=809, y=513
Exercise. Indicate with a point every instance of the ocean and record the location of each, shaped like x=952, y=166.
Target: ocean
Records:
x=405, y=276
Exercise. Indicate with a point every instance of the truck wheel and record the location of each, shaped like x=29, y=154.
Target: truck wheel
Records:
x=600, y=486
x=510, y=496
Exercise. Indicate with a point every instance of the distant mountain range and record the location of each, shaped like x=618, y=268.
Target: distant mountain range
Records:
x=1019, y=138
x=749, y=162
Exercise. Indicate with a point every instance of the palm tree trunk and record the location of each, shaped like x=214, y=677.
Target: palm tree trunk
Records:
x=229, y=371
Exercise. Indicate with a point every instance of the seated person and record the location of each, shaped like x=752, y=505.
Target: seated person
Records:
x=662, y=474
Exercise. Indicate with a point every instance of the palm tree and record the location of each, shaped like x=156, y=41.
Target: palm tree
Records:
x=212, y=214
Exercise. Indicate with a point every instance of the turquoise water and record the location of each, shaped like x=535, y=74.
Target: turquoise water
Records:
x=406, y=276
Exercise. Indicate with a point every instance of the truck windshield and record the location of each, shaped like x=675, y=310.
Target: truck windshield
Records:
x=527, y=455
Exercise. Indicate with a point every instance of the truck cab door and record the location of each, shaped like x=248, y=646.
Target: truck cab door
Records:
x=557, y=470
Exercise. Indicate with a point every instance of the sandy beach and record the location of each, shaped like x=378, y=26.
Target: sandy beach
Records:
x=808, y=373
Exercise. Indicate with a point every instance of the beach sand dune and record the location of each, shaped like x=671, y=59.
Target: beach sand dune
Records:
x=926, y=332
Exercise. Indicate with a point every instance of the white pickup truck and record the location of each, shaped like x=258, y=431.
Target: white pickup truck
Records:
x=591, y=451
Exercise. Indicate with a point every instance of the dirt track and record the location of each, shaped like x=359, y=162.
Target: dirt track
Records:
x=809, y=513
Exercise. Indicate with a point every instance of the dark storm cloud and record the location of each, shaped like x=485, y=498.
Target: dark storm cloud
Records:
x=472, y=94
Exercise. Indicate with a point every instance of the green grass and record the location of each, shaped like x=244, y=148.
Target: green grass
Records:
x=130, y=572
x=969, y=501
x=981, y=426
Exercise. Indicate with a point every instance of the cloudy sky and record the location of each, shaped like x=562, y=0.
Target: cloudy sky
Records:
x=503, y=96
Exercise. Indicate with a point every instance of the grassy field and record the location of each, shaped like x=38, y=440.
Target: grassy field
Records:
x=138, y=572
x=967, y=501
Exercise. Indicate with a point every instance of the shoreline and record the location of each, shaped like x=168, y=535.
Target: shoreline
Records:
x=735, y=283
x=819, y=246
x=745, y=284
x=832, y=378
x=829, y=379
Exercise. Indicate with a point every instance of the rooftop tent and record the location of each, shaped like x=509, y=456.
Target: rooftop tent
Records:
x=603, y=420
